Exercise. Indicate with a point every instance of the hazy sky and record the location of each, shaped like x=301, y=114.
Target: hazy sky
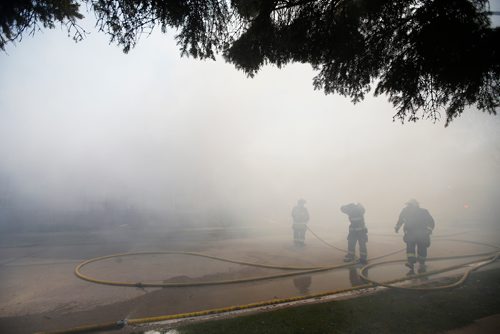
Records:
x=84, y=122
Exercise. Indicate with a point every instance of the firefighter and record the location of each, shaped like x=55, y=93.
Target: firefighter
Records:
x=418, y=225
x=300, y=217
x=358, y=233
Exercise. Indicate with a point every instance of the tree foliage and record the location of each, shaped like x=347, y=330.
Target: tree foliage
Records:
x=21, y=17
x=427, y=56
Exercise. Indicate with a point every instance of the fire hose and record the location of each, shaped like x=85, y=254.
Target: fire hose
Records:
x=485, y=259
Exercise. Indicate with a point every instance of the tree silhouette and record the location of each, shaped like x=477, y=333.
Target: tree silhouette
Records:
x=427, y=56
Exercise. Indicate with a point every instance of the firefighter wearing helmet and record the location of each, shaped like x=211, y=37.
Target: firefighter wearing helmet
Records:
x=358, y=233
x=417, y=224
x=300, y=217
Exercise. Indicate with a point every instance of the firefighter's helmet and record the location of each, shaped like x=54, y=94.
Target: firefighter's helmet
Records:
x=412, y=202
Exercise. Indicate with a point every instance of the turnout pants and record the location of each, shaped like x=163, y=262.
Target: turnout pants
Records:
x=299, y=233
x=416, y=248
x=357, y=237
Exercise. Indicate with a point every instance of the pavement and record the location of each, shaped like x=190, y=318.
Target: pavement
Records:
x=40, y=292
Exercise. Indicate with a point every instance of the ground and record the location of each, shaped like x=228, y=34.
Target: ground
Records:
x=40, y=292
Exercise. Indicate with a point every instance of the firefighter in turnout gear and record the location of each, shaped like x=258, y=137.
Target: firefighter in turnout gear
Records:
x=418, y=225
x=300, y=218
x=358, y=233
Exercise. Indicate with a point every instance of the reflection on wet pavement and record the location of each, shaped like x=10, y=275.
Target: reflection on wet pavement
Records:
x=302, y=284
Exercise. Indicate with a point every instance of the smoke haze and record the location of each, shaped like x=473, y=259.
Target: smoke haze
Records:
x=91, y=137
